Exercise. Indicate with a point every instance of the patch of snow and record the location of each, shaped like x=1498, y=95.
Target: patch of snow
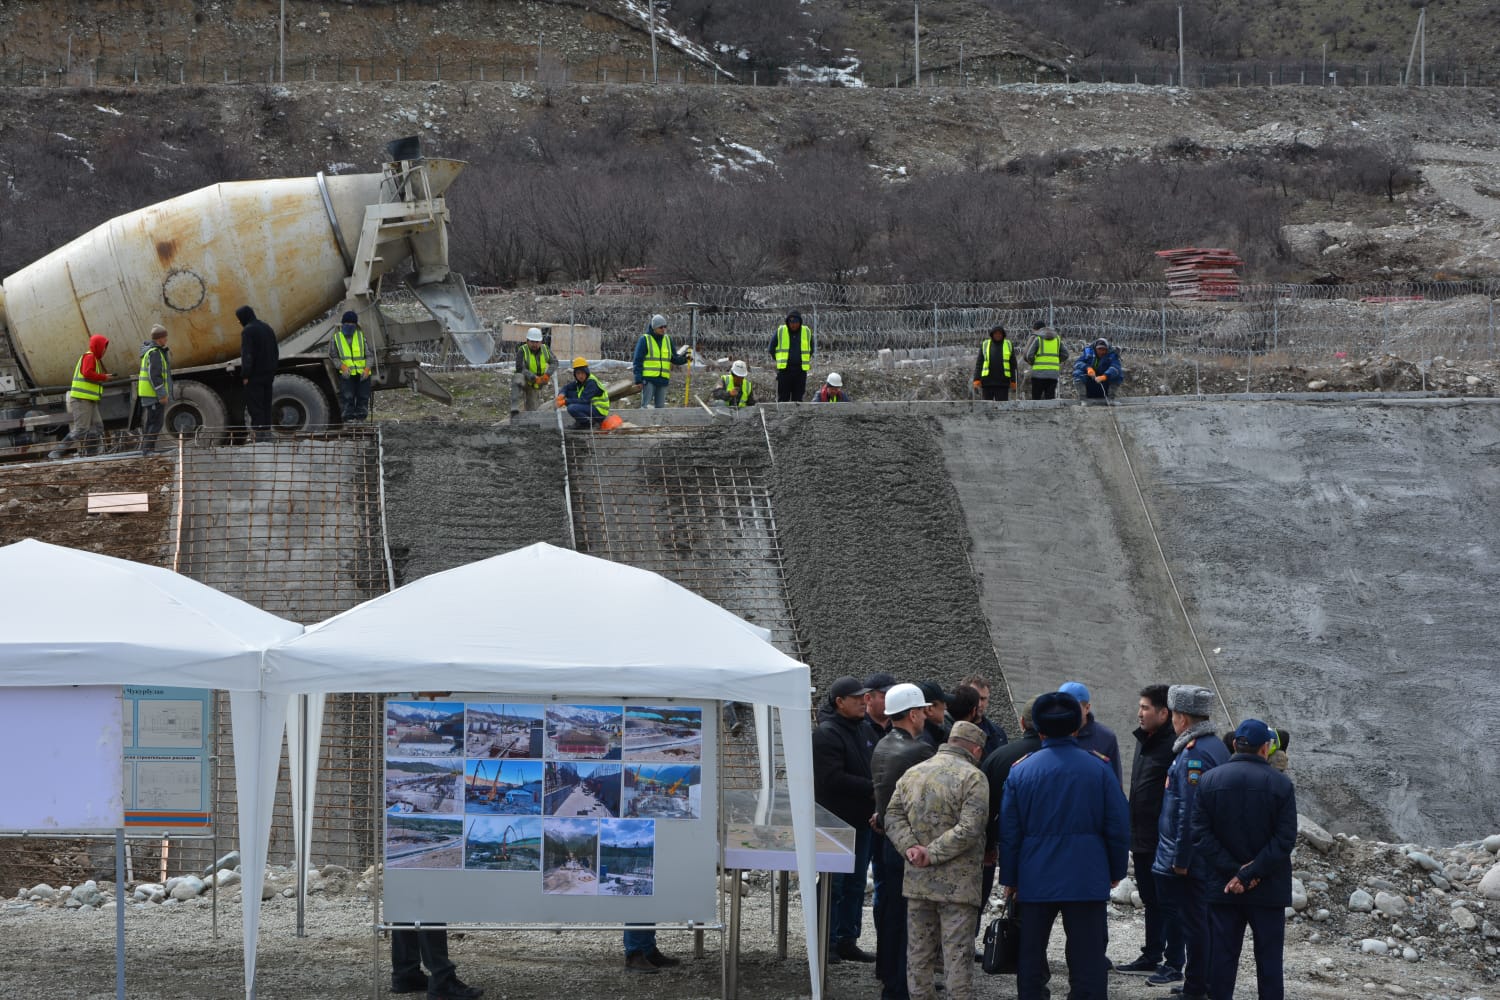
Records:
x=845, y=73
x=665, y=32
x=84, y=160
x=175, y=149
x=108, y=111
x=340, y=167
x=64, y=137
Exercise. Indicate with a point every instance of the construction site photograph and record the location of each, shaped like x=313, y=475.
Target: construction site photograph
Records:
x=424, y=729
x=505, y=731
x=570, y=857
x=663, y=791
x=503, y=845
x=424, y=842
x=503, y=787
x=627, y=857
x=579, y=789
x=423, y=786
x=584, y=732
x=663, y=732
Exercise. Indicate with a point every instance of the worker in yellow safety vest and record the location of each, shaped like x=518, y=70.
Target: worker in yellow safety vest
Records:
x=735, y=389
x=84, y=394
x=1045, y=354
x=153, y=387
x=585, y=397
x=792, y=347
x=994, y=370
x=534, y=365
x=351, y=352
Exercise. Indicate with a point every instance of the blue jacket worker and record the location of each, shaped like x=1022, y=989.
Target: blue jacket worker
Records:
x=1244, y=829
x=1179, y=885
x=1098, y=370
x=586, y=398
x=1064, y=843
x=654, y=360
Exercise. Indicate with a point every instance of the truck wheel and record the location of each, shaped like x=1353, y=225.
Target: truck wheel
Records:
x=297, y=404
x=197, y=412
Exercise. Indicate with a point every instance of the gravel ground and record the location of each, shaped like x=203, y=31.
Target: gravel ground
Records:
x=171, y=954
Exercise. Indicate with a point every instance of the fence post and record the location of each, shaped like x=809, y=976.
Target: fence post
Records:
x=934, y=333
x=1492, y=326
x=1275, y=323
x=1051, y=316
x=1163, y=308
x=814, y=337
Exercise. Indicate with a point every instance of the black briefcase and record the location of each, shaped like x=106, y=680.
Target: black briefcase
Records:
x=1002, y=943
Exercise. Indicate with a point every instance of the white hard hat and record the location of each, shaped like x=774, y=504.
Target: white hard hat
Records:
x=902, y=697
x=740, y=368
x=534, y=333
x=836, y=380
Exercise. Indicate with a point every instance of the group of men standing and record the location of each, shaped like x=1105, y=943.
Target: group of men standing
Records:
x=940, y=799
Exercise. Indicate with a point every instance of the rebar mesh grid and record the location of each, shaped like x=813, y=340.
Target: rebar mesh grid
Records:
x=698, y=514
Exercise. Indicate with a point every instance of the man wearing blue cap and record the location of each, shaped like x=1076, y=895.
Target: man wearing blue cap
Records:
x=1095, y=736
x=1244, y=828
x=1064, y=843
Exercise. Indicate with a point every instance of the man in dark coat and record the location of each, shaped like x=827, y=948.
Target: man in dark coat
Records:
x=1064, y=843
x=1148, y=776
x=1095, y=735
x=259, y=356
x=1244, y=829
x=842, y=784
x=996, y=767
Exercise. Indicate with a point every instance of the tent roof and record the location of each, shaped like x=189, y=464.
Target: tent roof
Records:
x=74, y=617
x=499, y=624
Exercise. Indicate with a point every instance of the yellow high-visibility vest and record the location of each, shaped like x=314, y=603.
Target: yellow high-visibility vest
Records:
x=84, y=388
x=985, y=371
x=352, y=351
x=744, y=390
x=143, y=387
x=784, y=348
x=658, y=361
x=1048, y=350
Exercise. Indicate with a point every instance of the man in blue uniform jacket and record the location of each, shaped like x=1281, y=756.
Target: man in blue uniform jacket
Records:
x=1064, y=843
x=1244, y=829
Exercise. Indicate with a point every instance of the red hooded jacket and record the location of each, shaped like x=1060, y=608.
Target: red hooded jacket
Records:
x=93, y=361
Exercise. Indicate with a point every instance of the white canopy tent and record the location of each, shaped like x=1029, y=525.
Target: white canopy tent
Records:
x=77, y=618
x=494, y=625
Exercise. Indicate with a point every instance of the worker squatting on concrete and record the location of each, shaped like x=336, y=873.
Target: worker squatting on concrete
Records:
x=1097, y=370
x=994, y=369
x=153, y=387
x=585, y=397
x=428, y=946
x=1064, y=843
x=1196, y=751
x=259, y=355
x=897, y=752
x=935, y=819
x=1244, y=829
x=792, y=349
x=833, y=390
x=1045, y=354
x=534, y=366
x=87, y=389
x=351, y=352
x=735, y=389
x=654, y=360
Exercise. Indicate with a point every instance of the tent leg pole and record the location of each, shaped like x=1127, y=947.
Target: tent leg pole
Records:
x=733, y=988
x=377, y=862
x=825, y=900
x=783, y=885
x=304, y=820
x=120, y=913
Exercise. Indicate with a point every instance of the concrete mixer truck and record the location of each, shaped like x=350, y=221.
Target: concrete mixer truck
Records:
x=299, y=251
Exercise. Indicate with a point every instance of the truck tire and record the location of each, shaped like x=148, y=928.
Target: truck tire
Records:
x=297, y=404
x=197, y=412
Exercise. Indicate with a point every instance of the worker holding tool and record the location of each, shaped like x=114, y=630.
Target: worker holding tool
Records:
x=586, y=398
x=534, y=365
x=994, y=369
x=833, y=390
x=654, y=360
x=735, y=388
x=1098, y=370
x=351, y=353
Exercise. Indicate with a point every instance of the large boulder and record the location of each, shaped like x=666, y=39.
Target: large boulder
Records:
x=1316, y=837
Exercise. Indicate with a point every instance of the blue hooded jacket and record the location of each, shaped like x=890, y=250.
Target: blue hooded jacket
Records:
x=1064, y=826
x=1106, y=364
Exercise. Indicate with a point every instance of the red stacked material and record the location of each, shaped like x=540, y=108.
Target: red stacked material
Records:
x=1201, y=274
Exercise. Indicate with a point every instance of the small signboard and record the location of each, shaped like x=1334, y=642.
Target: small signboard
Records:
x=165, y=749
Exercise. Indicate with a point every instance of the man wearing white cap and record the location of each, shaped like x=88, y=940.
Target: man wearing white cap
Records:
x=653, y=362
x=735, y=389
x=534, y=364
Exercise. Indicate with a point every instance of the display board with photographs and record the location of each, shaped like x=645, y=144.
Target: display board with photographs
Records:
x=508, y=811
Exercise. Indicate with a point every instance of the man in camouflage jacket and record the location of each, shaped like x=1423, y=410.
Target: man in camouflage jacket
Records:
x=936, y=819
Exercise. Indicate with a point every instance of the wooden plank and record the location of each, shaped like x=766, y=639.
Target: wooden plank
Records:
x=119, y=503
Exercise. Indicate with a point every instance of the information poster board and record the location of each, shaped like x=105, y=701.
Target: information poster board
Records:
x=63, y=770
x=166, y=750
x=502, y=809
